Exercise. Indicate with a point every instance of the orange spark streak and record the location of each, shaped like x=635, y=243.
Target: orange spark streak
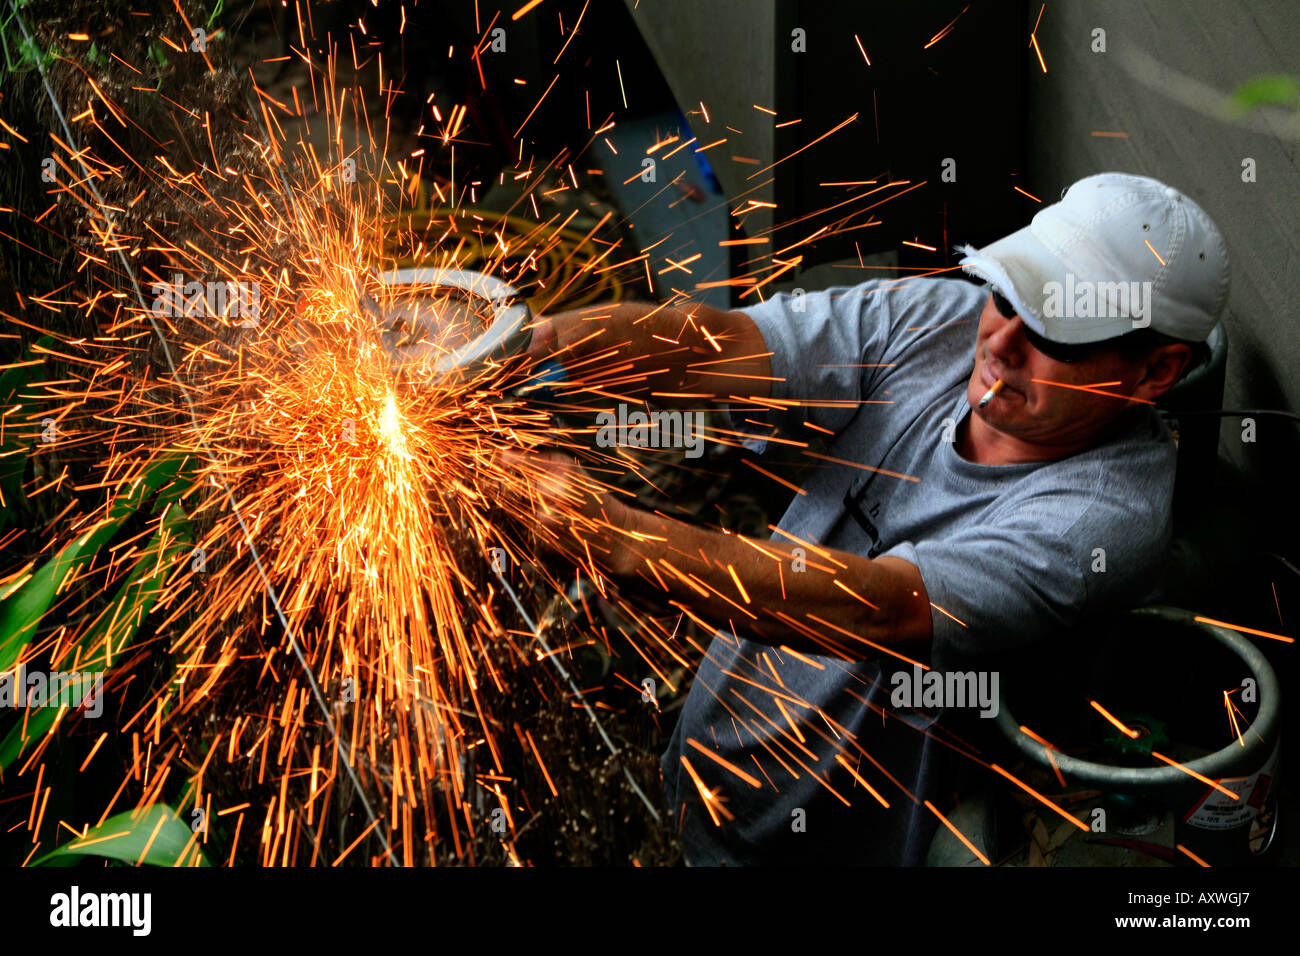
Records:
x=863, y=640
x=862, y=49
x=149, y=843
x=725, y=764
x=1232, y=717
x=710, y=797
x=848, y=590
x=93, y=751
x=944, y=32
x=353, y=845
x=1201, y=777
x=1039, y=52
x=1095, y=391
x=957, y=833
x=524, y=9
x=777, y=478
x=1245, y=630
x=739, y=587
x=1042, y=799
x=947, y=614
x=535, y=106
x=1189, y=853
x=829, y=132
x=858, y=777
x=854, y=464
x=1133, y=734
x=545, y=773
x=1049, y=748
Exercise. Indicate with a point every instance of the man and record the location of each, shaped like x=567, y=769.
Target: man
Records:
x=931, y=531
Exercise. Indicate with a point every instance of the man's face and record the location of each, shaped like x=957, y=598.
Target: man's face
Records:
x=1039, y=413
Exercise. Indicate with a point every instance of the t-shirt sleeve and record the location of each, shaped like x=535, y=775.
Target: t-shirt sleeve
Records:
x=823, y=346
x=1037, y=566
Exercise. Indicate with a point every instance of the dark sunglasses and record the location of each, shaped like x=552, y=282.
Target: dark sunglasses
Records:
x=1059, y=351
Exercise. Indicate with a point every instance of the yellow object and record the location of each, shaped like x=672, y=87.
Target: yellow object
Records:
x=555, y=268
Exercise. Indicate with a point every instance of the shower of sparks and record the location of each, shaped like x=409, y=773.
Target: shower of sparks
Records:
x=1233, y=712
x=336, y=497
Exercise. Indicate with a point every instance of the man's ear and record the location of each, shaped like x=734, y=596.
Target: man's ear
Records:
x=1161, y=370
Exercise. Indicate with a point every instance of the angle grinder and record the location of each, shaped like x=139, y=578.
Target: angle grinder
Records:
x=455, y=326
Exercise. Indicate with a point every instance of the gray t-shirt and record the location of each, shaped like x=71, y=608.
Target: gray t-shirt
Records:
x=1012, y=553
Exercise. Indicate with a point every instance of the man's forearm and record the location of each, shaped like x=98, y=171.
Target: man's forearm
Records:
x=667, y=355
x=812, y=599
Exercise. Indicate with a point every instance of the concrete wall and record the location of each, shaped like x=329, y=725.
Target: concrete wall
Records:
x=721, y=52
x=1166, y=69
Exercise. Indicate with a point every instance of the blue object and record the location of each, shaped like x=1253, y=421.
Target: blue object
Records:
x=540, y=386
x=705, y=169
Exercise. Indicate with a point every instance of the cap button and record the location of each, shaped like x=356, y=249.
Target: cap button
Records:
x=1173, y=193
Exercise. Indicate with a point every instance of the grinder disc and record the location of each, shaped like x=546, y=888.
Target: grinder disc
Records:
x=455, y=323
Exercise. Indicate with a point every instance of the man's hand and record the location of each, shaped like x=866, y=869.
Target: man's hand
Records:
x=575, y=515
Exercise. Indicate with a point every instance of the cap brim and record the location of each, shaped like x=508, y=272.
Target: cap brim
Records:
x=1021, y=266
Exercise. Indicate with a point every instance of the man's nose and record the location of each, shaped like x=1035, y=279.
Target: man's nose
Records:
x=1008, y=342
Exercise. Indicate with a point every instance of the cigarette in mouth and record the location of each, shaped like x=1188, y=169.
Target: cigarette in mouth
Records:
x=988, y=396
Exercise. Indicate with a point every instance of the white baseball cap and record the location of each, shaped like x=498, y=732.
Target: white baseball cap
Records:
x=1117, y=253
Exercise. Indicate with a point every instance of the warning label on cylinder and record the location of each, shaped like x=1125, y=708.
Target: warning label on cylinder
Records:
x=1220, y=811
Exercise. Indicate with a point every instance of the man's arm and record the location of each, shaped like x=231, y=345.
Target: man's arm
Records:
x=671, y=356
x=838, y=604
x=822, y=601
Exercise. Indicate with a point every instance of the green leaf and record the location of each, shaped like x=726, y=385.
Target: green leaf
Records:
x=117, y=624
x=13, y=465
x=1275, y=90
x=16, y=444
x=113, y=630
x=33, y=54
x=39, y=722
x=19, y=374
x=21, y=609
x=127, y=835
